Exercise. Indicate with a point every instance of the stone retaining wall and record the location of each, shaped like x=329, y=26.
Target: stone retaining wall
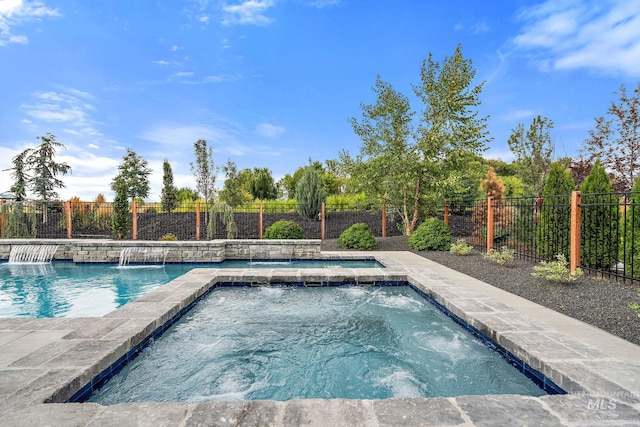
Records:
x=179, y=251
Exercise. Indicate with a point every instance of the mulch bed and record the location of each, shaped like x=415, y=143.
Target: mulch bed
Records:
x=599, y=302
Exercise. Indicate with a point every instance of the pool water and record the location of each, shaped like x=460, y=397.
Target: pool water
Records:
x=67, y=289
x=287, y=343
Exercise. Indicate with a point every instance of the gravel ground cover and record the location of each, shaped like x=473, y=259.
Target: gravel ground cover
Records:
x=599, y=302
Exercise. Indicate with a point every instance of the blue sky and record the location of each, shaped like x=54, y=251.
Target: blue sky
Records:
x=272, y=83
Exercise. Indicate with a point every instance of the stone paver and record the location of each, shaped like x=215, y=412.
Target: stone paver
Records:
x=48, y=360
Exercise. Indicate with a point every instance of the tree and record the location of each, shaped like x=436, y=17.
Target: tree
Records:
x=600, y=217
x=533, y=151
x=168, y=196
x=554, y=228
x=616, y=142
x=120, y=219
x=262, y=186
x=204, y=170
x=310, y=194
x=186, y=194
x=19, y=172
x=412, y=171
x=134, y=173
x=234, y=192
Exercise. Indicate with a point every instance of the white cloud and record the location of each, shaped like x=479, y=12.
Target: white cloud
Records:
x=480, y=27
x=599, y=35
x=269, y=131
x=324, y=3
x=248, y=12
x=68, y=106
x=14, y=13
x=516, y=114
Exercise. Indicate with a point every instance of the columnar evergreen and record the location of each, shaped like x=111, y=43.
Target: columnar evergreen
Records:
x=631, y=245
x=554, y=229
x=310, y=194
x=600, y=217
x=121, y=219
x=168, y=197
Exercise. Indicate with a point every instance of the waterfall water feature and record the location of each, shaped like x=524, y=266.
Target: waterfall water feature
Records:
x=142, y=255
x=32, y=253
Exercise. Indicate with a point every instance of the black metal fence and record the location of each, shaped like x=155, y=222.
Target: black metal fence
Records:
x=541, y=228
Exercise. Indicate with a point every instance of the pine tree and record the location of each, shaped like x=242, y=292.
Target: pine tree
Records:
x=554, y=230
x=310, y=194
x=600, y=217
x=168, y=197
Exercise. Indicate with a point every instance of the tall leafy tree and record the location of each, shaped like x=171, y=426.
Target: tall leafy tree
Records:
x=616, y=141
x=134, y=172
x=168, y=197
x=554, y=228
x=410, y=171
x=235, y=189
x=204, y=169
x=533, y=151
x=262, y=185
x=186, y=194
x=600, y=217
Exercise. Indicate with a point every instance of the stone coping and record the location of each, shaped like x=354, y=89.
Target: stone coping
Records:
x=48, y=360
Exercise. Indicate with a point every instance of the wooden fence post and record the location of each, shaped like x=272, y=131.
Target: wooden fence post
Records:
x=198, y=220
x=3, y=221
x=490, y=224
x=260, y=223
x=574, y=251
x=134, y=217
x=322, y=224
x=384, y=220
x=446, y=211
x=67, y=208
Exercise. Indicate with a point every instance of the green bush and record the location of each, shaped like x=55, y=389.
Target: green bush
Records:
x=556, y=271
x=554, y=228
x=460, y=247
x=432, y=235
x=359, y=237
x=631, y=245
x=502, y=257
x=600, y=217
x=168, y=236
x=283, y=229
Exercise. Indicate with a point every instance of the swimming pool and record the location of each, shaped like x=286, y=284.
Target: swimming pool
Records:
x=67, y=289
x=356, y=342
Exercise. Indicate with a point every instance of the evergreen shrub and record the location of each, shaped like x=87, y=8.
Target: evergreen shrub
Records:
x=600, y=217
x=358, y=236
x=283, y=229
x=432, y=235
x=554, y=229
x=631, y=245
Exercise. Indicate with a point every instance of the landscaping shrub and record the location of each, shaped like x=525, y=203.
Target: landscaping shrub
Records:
x=554, y=229
x=600, y=217
x=502, y=257
x=631, y=245
x=460, y=247
x=310, y=194
x=556, y=271
x=283, y=229
x=120, y=219
x=168, y=236
x=635, y=306
x=432, y=235
x=358, y=236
